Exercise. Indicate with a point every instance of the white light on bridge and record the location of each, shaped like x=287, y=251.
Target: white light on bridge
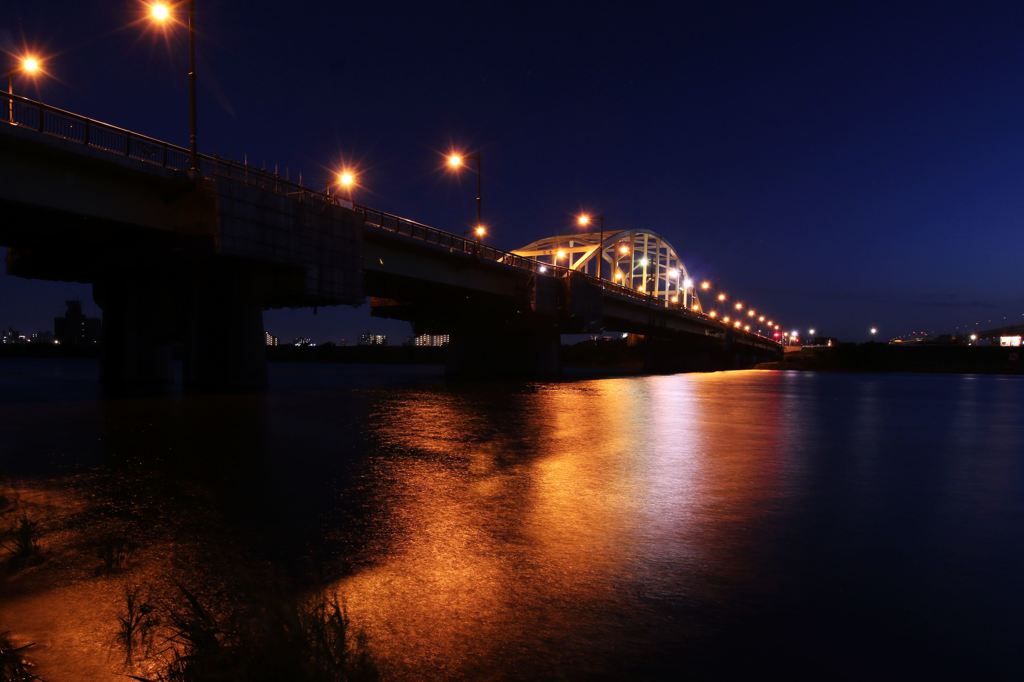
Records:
x=673, y=273
x=644, y=262
x=687, y=283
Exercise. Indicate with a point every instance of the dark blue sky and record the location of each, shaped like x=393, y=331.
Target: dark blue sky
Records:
x=835, y=166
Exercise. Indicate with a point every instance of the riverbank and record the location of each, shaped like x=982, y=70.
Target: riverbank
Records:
x=881, y=357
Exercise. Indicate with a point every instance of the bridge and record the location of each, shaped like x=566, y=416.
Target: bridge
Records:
x=194, y=258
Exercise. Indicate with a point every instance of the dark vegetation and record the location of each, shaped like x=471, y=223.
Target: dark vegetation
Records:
x=22, y=543
x=188, y=638
x=13, y=666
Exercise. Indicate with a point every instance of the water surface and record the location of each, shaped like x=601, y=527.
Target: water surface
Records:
x=698, y=525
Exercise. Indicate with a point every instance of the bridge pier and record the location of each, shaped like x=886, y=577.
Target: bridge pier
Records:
x=665, y=355
x=213, y=313
x=225, y=347
x=139, y=325
x=481, y=353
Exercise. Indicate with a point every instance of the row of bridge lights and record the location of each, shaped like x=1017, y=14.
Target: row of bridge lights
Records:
x=740, y=312
x=348, y=180
x=585, y=220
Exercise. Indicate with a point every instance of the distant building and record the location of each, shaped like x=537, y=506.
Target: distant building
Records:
x=370, y=339
x=271, y=339
x=12, y=336
x=44, y=337
x=303, y=342
x=431, y=340
x=75, y=329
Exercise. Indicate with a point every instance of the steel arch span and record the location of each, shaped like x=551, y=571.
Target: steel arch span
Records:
x=641, y=260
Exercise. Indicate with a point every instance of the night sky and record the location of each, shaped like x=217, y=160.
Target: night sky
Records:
x=836, y=167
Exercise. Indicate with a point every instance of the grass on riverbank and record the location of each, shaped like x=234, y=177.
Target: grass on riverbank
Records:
x=188, y=639
x=13, y=665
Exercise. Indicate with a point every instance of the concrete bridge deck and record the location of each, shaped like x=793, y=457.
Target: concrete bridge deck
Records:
x=177, y=258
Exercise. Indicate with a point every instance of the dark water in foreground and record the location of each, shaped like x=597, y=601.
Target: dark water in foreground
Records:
x=705, y=526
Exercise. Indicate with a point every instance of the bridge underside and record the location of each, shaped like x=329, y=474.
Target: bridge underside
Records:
x=507, y=322
x=189, y=262
x=174, y=262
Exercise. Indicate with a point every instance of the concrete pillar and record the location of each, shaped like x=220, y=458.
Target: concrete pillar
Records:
x=486, y=353
x=139, y=320
x=225, y=347
x=663, y=355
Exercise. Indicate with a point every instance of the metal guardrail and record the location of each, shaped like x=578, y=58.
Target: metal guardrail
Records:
x=66, y=125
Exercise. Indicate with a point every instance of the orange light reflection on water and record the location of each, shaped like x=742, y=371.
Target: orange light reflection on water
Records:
x=515, y=534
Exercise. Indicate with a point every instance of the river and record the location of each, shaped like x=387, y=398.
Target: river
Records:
x=709, y=526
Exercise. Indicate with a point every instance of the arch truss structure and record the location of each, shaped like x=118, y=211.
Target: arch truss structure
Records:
x=640, y=260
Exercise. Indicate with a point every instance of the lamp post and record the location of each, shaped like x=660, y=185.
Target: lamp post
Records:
x=160, y=13
x=456, y=162
x=27, y=65
x=583, y=220
x=347, y=181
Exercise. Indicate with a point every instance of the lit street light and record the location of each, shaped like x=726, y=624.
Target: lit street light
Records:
x=874, y=331
x=28, y=65
x=583, y=220
x=161, y=13
x=457, y=161
x=347, y=181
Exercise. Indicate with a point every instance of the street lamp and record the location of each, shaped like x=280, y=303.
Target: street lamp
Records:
x=583, y=220
x=161, y=14
x=874, y=331
x=347, y=181
x=28, y=65
x=457, y=161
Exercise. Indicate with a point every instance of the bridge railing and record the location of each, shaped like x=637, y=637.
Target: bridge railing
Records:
x=449, y=240
x=58, y=123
